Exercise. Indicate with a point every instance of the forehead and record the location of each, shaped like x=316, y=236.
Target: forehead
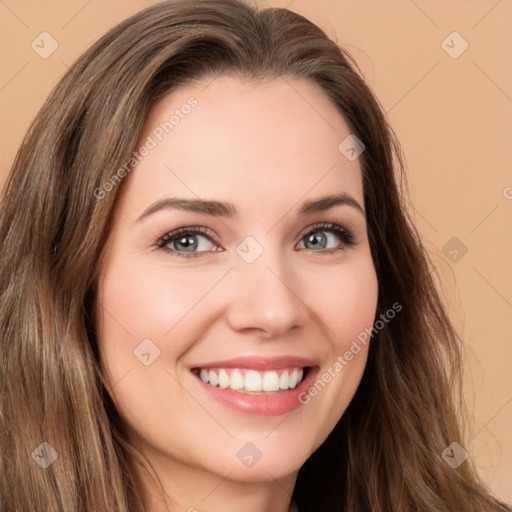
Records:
x=244, y=141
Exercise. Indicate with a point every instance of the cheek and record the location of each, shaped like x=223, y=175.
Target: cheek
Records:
x=141, y=301
x=347, y=307
x=148, y=300
x=347, y=302
x=147, y=320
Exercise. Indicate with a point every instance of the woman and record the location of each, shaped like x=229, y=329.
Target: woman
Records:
x=171, y=340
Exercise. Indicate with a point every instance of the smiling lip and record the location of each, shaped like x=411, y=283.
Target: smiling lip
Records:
x=264, y=403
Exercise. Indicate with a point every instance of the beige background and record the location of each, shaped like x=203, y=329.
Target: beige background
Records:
x=452, y=116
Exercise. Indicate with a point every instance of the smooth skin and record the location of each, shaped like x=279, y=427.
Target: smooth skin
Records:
x=267, y=147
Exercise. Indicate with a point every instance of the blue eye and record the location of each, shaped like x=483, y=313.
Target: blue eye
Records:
x=186, y=242
x=321, y=241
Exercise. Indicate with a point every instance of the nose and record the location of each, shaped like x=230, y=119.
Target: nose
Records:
x=266, y=297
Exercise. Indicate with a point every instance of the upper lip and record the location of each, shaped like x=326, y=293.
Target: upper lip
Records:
x=261, y=363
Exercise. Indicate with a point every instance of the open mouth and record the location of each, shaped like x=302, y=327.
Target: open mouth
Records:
x=249, y=381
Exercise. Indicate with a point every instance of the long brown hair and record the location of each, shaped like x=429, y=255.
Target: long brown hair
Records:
x=385, y=452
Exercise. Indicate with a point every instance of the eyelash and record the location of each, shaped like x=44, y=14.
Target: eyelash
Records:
x=344, y=234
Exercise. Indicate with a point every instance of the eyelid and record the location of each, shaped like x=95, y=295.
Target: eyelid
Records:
x=324, y=225
x=189, y=230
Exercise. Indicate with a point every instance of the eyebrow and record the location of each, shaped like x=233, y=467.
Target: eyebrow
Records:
x=229, y=210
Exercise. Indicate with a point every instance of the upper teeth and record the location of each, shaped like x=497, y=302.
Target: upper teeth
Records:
x=251, y=380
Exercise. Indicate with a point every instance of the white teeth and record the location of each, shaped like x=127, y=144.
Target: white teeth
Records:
x=237, y=380
x=223, y=379
x=270, y=381
x=213, y=378
x=252, y=380
x=292, y=382
x=283, y=380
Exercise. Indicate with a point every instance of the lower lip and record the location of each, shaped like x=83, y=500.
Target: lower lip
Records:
x=274, y=404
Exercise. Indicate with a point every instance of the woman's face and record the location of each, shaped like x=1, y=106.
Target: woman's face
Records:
x=255, y=299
